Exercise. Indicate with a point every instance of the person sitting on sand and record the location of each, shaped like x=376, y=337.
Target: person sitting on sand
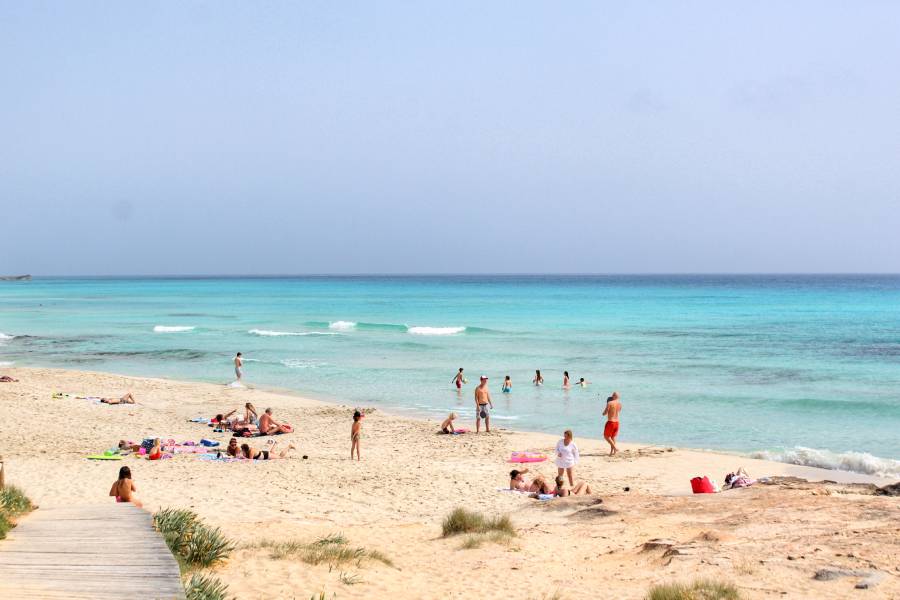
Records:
x=8, y=379
x=355, y=434
x=268, y=453
x=579, y=488
x=269, y=426
x=538, y=378
x=123, y=489
x=155, y=451
x=126, y=399
x=739, y=479
x=250, y=415
x=566, y=455
x=225, y=421
x=447, y=425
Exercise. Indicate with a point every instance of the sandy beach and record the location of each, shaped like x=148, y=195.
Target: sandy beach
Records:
x=770, y=540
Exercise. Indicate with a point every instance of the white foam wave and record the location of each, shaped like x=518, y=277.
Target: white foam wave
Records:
x=6, y=363
x=435, y=330
x=342, y=325
x=296, y=363
x=857, y=462
x=268, y=333
x=172, y=328
x=4, y=336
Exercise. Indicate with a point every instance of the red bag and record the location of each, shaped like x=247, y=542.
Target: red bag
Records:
x=702, y=485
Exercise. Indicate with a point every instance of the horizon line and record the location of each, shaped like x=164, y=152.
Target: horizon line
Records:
x=464, y=274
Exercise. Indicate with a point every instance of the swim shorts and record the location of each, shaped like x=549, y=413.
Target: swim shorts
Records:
x=611, y=430
x=483, y=410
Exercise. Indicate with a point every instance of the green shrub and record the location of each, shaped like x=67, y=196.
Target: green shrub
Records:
x=5, y=525
x=204, y=587
x=465, y=521
x=14, y=502
x=701, y=589
x=192, y=542
x=333, y=549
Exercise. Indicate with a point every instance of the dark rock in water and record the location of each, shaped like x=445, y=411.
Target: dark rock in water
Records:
x=889, y=490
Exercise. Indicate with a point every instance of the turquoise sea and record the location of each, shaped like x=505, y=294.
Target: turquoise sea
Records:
x=798, y=368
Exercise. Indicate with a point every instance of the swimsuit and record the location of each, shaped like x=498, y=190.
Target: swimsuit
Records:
x=263, y=453
x=354, y=437
x=506, y=390
x=238, y=372
x=445, y=430
x=611, y=430
x=484, y=408
x=459, y=384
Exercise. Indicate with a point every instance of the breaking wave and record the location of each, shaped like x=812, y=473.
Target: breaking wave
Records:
x=172, y=328
x=857, y=462
x=435, y=330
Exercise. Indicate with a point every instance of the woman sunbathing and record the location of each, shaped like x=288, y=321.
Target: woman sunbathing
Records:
x=126, y=399
x=269, y=453
x=579, y=488
x=7, y=379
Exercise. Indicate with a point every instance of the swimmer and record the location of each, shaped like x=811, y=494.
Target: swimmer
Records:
x=565, y=380
x=458, y=379
x=583, y=383
x=447, y=425
x=507, y=385
x=123, y=489
x=538, y=378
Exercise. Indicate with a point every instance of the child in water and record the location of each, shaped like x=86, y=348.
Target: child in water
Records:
x=447, y=425
x=123, y=489
x=355, y=434
x=507, y=385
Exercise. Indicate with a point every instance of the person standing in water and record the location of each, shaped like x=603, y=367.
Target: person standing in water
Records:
x=507, y=385
x=611, y=430
x=458, y=379
x=566, y=379
x=483, y=405
x=238, y=366
x=538, y=378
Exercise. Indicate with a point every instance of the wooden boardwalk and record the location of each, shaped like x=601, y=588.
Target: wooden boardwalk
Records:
x=108, y=551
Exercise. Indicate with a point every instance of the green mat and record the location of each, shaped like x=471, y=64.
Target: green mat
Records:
x=105, y=457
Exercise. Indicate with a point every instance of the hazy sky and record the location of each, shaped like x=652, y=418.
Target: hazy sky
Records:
x=336, y=137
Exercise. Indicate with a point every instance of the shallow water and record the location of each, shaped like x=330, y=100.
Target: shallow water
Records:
x=746, y=363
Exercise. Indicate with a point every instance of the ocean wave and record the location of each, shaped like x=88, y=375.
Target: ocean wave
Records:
x=857, y=462
x=269, y=333
x=296, y=363
x=4, y=336
x=6, y=363
x=172, y=328
x=342, y=325
x=435, y=330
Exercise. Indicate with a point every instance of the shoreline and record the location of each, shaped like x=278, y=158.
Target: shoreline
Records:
x=810, y=473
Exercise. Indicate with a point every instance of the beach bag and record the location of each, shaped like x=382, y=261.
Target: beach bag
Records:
x=702, y=485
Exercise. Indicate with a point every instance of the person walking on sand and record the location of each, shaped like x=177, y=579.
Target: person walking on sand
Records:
x=611, y=429
x=459, y=380
x=355, y=434
x=123, y=489
x=483, y=405
x=566, y=456
x=238, y=366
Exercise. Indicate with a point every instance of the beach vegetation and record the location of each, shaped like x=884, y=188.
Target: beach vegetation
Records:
x=700, y=589
x=476, y=540
x=466, y=521
x=205, y=587
x=193, y=543
x=13, y=503
x=350, y=578
x=333, y=550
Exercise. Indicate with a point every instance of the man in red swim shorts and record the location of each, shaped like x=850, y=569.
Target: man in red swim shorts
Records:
x=611, y=430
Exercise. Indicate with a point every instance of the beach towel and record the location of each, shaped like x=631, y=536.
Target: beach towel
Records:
x=527, y=457
x=223, y=458
x=541, y=497
x=460, y=431
x=209, y=443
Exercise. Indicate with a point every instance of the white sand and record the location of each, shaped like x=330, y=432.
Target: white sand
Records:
x=410, y=478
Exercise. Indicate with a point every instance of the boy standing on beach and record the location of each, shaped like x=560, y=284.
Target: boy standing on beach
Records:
x=611, y=430
x=355, y=434
x=483, y=405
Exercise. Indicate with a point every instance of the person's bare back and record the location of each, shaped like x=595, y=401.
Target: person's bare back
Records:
x=612, y=411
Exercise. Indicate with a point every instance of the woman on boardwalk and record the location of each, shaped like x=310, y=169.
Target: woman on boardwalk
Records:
x=567, y=456
x=123, y=489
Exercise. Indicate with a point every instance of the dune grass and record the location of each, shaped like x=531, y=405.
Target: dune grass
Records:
x=193, y=543
x=13, y=503
x=334, y=550
x=700, y=589
x=205, y=587
x=466, y=521
x=477, y=540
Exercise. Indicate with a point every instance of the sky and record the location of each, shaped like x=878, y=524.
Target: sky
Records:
x=460, y=137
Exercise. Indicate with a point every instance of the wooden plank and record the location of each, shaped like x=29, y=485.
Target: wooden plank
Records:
x=88, y=552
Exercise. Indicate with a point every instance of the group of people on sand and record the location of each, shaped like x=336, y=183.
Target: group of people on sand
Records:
x=239, y=424
x=567, y=457
x=460, y=379
x=233, y=450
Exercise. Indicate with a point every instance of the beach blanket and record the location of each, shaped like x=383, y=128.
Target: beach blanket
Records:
x=541, y=497
x=104, y=457
x=527, y=457
x=223, y=458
